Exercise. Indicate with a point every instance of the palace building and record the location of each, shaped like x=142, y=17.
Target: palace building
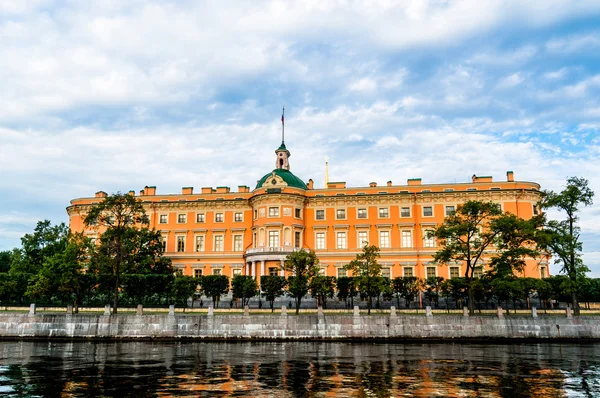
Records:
x=251, y=231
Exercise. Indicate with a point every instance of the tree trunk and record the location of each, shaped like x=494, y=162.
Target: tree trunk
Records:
x=471, y=299
x=298, y=300
x=369, y=303
x=575, y=303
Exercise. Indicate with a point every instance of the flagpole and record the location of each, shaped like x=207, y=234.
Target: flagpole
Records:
x=282, y=126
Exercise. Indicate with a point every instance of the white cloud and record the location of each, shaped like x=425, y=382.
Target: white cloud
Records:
x=575, y=43
x=511, y=81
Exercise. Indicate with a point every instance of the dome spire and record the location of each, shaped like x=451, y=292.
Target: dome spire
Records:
x=282, y=160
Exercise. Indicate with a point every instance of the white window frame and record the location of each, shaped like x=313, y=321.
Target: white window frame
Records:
x=404, y=216
x=241, y=216
x=238, y=239
x=160, y=218
x=429, y=268
x=387, y=212
x=273, y=236
x=181, y=216
x=273, y=212
x=406, y=242
x=198, y=238
x=178, y=239
x=200, y=217
x=428, y=242
x=446, y=210
x=453, y=267
x=218, y=247
x=387, y=235
x=341, y=237
x=361, y=242
x=337, y=214
x=427, y=207
x=219, y=217
x=320, y=240
x=358, y=217
x=317, y=215
x=408, y=267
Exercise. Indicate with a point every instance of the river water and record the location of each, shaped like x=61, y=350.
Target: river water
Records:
x=298, y=369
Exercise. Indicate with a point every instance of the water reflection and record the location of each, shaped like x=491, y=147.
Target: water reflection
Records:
x=297, y=369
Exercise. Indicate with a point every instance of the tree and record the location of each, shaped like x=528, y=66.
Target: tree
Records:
x=346, y=289
x=366, y=271
x=215, y=286
x=272, y=287
x=5, y=261
x=562, y=237
x=119, y=215
x=516, y=240
x=465, y=236
x=183, y=288
x=303, y=266
x=407, y=287
x=321, y=288
x=433, y=286
x=244, y=287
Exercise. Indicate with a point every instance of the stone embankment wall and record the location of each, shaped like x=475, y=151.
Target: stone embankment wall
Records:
x=297, y=327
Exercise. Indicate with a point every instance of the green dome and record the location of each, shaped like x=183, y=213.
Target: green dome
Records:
x=286, y=175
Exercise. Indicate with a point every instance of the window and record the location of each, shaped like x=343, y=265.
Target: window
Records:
x=320, y=214
x=217, y=271
x=340, y=214
x=384, y=212
x=200, y=217
x=255, y=214
x=219, y=217
x=405, y=212
x=238, y=217
x=341, y=240
x=273, y=211
x=406, y=237
x=450, y=210
x=200, y=243
x=536, y=210
x=363, y=238
x=273, y=271
x=236, y=272
x=163, y=242
x=495, y=189
x=427, y=211
x=543, y=272
x=297, y=239
x=218, y=242
x=407, y=272
x=322, y=271
x=341, y=272
x=361, y=213
x=163, y=218
x=471, y=189
x=384, y=239
x=454, y=272
x=237, y=243
x=273, y=238
x=386, y=272
x=478, y=272
x=181, y=218
x=197, y=273
x=111, y=220
x=428, y=241
x=181, y=243
x=431, y=272
x=320, y=240
x=298, y=213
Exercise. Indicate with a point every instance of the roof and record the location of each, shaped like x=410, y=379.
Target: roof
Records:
x=281, y=147
x=287, y=176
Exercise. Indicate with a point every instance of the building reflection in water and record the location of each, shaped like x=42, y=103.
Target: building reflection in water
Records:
x=298, y=369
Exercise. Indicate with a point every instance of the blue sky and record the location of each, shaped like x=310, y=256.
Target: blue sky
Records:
x=117, y=95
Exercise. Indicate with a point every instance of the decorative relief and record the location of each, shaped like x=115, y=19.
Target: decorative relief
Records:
x=261, y=212
x=287, y=211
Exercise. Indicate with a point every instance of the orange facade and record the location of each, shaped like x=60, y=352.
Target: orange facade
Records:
x=250, y=232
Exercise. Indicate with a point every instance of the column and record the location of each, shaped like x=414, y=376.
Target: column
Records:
x=281, y=270
x=252, y=265
x=262, y=267
x=247, y=268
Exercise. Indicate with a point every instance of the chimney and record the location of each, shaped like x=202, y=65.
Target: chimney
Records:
x=373, y=184
x=150, y=191
x=310, y=184
x=132, y=193
x=243, y=189
x=389, y=183
x=414, y=181
x=206, y=190
x=101, y=194
x=510, y=176
x=187, y=190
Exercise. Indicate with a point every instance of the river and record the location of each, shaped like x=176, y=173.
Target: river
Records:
x=297, y=369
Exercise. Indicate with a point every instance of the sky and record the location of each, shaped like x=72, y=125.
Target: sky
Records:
x=115, y=95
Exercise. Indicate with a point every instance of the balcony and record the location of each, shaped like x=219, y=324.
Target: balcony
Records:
x=274, y=250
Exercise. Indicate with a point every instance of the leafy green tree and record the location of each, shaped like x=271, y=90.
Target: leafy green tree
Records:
x=244, y=287
x=517, y=240
x=407, y=287
x=562, y=237
x=322, y=287
x=366, y=271
x=214, y=286
x=346, y=289
x=183, y=288
x=544, y=291
x=272, y=287
x=120, y=217
x=5, y=261
x=303, y=266
x=433, y=287
x=465, y=236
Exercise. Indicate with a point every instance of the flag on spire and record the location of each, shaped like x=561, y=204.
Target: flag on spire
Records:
x=282, y=113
